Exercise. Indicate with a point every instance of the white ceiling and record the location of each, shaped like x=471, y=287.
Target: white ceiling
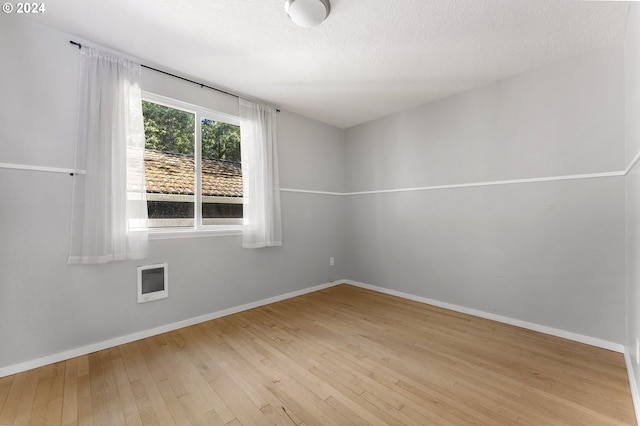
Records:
x=369, y=58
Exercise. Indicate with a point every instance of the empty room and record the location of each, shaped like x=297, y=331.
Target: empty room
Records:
x=319, y=212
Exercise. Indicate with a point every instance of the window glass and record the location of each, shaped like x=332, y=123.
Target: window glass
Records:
x=193, y=175
x=221, y=183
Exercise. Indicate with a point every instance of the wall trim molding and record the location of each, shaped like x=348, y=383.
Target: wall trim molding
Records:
x=493, y=183
x=473, y=184
x=310, y=191
x=632, y=164
x=593, y=341
x=109, y=343
x=635, y=397
x=383, y=191
x=34, y=168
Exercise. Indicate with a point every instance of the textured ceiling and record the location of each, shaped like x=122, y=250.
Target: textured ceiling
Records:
x=370, y=58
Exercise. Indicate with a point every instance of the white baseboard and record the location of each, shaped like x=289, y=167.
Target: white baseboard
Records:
x=593, y=341
x=72, y=353
x=635, y=397
x=61, y=356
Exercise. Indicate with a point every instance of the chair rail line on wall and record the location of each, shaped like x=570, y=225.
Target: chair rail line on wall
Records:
x=382, y=191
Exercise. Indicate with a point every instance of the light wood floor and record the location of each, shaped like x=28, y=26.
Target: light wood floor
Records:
x=343, y=355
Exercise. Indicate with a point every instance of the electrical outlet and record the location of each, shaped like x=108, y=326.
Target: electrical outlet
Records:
x=332, y=261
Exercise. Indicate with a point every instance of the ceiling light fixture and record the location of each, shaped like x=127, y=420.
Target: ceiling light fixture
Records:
x=307, y=13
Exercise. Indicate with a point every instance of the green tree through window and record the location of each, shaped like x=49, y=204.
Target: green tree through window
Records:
x=220, y=140
x=168, y=129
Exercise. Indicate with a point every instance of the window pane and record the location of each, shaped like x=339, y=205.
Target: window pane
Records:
x=221, y=173
x=169, y=165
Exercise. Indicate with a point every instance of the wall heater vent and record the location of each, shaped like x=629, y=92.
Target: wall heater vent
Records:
x=153, y=282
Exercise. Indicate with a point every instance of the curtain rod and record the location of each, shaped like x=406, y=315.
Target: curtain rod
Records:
x=202, y=85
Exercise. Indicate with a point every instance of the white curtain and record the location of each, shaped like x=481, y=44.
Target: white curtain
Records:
x=109, y=212
x=261, y=188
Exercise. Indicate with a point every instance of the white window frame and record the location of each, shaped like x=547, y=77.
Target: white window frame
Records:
x=198, y=229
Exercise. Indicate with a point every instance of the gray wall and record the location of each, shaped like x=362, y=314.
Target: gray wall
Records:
x=632, y=79
x=47, y=306
x=550, y=253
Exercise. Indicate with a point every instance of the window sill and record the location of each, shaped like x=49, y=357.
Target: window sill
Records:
x=168, y=234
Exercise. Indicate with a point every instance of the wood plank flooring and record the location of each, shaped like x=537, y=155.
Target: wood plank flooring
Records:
x=343, y=355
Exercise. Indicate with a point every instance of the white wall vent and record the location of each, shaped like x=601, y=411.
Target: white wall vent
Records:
x=153, y=282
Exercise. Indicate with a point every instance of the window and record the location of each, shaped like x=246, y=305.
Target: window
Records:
x=192, y=166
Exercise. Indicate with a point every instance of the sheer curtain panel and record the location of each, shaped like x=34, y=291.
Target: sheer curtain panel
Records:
x=109, y=211
x=261, y=188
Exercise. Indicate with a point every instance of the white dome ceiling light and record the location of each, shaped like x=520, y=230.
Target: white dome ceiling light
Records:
x=307, y=13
